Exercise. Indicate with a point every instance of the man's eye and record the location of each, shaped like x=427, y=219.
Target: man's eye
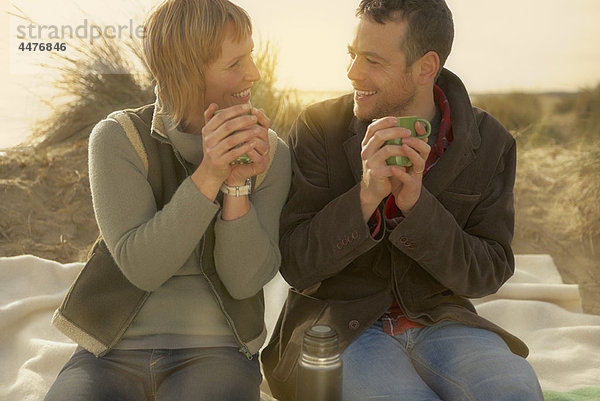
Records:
x=234, y=64
x=371, y=61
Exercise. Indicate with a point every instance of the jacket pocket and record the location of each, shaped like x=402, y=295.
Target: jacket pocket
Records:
x=459, y=204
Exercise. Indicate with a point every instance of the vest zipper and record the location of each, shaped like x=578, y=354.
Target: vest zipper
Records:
x=243, y=348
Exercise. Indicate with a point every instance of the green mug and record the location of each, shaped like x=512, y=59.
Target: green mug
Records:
x=409, y=123
x=243, y=159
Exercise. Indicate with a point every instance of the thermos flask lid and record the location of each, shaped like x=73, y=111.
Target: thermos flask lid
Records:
x=321, y=341
x=321, y=330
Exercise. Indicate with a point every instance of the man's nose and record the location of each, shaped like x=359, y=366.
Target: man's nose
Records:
x=354, y=71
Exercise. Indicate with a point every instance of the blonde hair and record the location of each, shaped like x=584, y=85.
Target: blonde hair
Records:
x=181, y=38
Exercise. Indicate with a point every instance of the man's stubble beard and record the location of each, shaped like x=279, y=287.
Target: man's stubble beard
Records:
x=406, y=97
x=386, y=110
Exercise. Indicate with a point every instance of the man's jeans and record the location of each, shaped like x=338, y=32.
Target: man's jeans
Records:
x=447, y=361
x=216, y=374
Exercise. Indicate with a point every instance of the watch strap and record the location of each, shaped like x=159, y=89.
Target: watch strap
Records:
x=236, y=191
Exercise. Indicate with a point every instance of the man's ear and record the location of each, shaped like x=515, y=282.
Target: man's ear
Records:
x=428, y=67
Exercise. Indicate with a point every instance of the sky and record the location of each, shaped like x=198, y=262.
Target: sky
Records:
x=532, y=45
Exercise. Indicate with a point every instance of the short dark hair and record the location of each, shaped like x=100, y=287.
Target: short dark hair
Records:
x=430, y=26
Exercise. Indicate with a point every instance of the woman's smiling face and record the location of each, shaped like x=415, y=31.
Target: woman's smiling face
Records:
x=230, y=77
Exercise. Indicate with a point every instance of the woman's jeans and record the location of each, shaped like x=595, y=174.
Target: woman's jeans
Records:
x=447, y=361
x=216, y=374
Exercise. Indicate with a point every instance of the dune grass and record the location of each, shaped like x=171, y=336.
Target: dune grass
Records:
x=515, y=110
x=97, y=79
x=281, y=105
x=586, y=106
x=558, y=181
x=558, y=170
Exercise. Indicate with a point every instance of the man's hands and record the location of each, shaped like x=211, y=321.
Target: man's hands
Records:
x=221, y=134
x=379, y=179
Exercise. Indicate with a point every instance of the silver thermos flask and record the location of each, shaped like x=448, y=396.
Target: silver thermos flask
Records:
x=319, y=376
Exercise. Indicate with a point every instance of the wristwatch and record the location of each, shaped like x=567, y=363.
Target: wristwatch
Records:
x=242, y=190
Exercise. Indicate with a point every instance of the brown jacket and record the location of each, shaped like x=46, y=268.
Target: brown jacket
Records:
x=453, y=245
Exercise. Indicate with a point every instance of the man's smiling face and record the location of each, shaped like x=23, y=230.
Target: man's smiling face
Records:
x=383, y=83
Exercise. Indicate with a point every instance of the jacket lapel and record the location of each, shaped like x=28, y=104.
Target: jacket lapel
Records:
x=467, y=140
x=352, y=146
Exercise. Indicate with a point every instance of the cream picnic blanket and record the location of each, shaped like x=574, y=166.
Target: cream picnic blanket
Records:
x=535, y=305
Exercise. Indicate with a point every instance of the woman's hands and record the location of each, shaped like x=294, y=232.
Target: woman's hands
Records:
x=237, y=125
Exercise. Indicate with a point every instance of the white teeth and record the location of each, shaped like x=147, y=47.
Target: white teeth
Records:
x=242, y=94
x=365, y=93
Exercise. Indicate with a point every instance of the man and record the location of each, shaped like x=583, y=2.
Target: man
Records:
x=389, y=255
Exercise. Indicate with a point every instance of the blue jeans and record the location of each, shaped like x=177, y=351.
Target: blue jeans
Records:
x=220, y=374
x=447, y=361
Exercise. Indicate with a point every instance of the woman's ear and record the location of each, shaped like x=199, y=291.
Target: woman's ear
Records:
x=428, y=67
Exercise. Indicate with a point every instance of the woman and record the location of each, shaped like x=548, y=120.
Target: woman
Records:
x=170, y=305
